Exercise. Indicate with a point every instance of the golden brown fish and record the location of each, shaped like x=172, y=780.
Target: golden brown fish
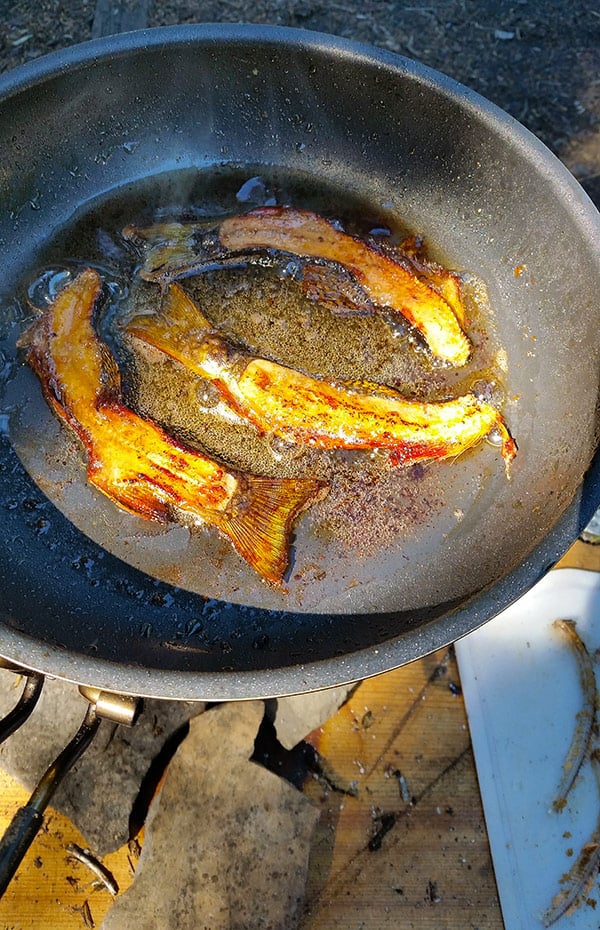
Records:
x=135, y=462
x=312, y=411
x=386, y=282
x=427, y=297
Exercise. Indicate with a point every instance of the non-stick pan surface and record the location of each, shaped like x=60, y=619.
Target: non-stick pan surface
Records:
x=86, y=592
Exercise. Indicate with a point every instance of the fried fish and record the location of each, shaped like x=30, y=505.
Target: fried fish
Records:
x=313, y=411
x=135, y=462
x=406, y=288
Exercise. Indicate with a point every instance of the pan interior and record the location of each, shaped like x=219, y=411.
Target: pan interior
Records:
x=375, y=516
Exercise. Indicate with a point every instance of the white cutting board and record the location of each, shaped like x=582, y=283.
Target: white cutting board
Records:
x=522, y=691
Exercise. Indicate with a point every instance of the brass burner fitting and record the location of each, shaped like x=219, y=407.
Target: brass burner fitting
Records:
x=120, y=708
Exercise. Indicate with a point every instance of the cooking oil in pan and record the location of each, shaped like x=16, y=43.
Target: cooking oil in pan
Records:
x=372, y=510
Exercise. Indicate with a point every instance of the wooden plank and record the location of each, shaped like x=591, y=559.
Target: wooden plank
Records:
x=408, y=848
x=114, y=16
x=582, y=555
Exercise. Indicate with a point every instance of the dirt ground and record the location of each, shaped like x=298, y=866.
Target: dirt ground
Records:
x=540, y=61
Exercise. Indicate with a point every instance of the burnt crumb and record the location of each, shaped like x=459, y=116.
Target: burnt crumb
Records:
x=392, y=772
x=454, y=688
x=438, y=672
x=41, y=526
x=368, y=720
x=384, y=823
x=30, y=504
x=432, y=893
x=160, y=599
x=38, y=862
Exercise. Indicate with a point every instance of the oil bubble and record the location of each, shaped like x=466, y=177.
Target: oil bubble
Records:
x=281, y=449
x=291, y=269
x=44, y=289
x=487, y=390
x=208, y=395
x=495, y=438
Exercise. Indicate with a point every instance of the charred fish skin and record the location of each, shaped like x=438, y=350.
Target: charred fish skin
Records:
x=306, y=410
x=136, y=463
x=427, y=298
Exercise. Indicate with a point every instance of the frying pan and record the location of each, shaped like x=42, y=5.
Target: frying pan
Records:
x=93, y=596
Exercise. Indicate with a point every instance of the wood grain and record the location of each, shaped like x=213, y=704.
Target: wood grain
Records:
x=52, y=890
x=407, y=846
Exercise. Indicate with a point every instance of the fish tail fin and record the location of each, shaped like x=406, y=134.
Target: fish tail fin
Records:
x=261, y=526
x=181, y=309
x=179, y=318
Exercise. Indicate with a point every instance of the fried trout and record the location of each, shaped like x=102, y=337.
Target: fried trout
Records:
x=428, y=300
x=134, y=461
x=311, y=411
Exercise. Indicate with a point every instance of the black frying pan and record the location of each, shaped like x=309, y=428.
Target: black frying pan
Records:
x=86, y=592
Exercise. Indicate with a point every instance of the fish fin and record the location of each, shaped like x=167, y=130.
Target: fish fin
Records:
x=181, y=310
x=260, y=528
x=163, y=246
x=178, y=319
x=111, y=377
x=448, y=284
x=335, y=287
x=160, y=233
x=171, y=250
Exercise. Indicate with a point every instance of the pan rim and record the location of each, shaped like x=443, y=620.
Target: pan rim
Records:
x=272, y=682
x=315, y=676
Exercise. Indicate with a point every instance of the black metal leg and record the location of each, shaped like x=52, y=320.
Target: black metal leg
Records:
x=21, y=711
x=28, y=819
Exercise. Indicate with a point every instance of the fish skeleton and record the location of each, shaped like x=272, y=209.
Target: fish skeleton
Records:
x=313, y=411
x=405, y=288
x=136, y=463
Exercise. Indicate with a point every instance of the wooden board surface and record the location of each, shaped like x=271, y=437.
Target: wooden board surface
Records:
x=407, y=846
